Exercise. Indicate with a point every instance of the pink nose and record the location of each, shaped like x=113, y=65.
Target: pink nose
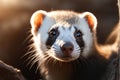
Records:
x=67, y=49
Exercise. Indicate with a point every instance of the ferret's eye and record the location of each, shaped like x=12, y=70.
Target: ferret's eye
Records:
x=53, y=32
x=78, y=34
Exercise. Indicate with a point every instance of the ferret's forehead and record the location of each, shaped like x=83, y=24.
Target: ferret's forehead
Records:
x=64, y=27
x=64, y=17
x=68, y=28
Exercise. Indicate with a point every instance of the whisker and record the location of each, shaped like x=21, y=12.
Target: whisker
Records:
x=77, y=48
x=40, y=61
x=29, y=53
x=28, y=38
x=31, y=62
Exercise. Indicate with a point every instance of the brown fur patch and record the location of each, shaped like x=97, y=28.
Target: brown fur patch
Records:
x=38, y=19
x=90, y=21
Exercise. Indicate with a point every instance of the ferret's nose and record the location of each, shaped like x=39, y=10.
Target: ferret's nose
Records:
x=67, y=49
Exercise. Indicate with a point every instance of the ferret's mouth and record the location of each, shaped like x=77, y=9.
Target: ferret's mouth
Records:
x=64, y=58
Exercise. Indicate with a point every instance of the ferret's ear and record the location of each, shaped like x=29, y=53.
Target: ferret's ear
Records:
x=91, y=20
x=37, y=20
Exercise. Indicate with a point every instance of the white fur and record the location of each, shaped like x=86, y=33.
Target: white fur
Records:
x=32, y=19
x=42, y=35
x=87, y=35
x=92, y=15
x=64, y=36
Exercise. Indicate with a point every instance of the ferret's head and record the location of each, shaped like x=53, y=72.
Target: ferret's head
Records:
x=63, y=35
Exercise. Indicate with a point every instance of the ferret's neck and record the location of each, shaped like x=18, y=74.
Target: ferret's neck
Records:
x=80, y=69
x=57, y=70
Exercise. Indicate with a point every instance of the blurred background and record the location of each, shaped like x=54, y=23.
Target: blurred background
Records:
x=15, y=26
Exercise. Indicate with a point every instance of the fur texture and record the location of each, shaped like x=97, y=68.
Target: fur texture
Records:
x=66, y=46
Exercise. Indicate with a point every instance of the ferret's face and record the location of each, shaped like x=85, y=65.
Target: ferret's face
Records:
x=61, y=39
x=65, y=43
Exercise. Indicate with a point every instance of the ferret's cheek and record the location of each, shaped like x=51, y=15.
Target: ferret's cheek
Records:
x=40, y=42
x=55, y=48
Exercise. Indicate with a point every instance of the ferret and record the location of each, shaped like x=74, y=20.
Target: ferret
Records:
x=66, y=45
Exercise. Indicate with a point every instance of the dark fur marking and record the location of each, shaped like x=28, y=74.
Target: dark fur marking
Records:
x=53, y=34
x=79, y=39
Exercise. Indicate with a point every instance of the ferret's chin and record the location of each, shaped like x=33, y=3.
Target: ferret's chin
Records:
x=64, y=59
